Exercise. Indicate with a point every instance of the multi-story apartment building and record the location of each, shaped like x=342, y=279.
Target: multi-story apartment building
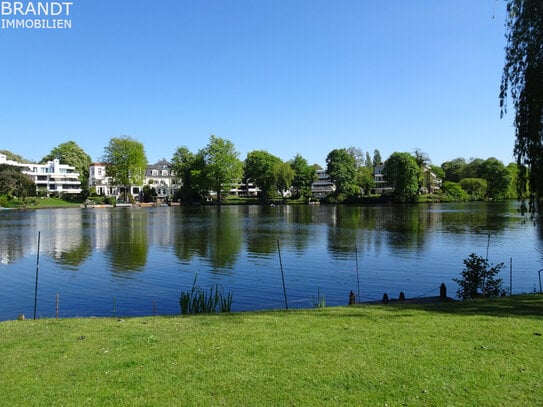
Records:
x=51, y=178
x=323, y=186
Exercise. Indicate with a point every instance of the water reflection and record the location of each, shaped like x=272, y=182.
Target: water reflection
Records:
x=408, y=248
x=128, y=244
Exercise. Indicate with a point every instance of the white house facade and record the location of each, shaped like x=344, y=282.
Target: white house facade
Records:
x=159, y=177
x=52, y=177
x=162, y=180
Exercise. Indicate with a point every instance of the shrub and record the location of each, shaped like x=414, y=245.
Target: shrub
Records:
x=479, y=279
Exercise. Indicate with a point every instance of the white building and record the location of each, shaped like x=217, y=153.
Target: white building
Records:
x=323, y=186
x=162, y=180
x=53, y=177
x=159, y=177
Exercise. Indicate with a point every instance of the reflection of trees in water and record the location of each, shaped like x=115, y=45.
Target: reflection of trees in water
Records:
x=262, y=230
x=477, y=217
x=212, y=233
x=128, y=243
x=405, y=225
x=408, y=225
x=77, y=255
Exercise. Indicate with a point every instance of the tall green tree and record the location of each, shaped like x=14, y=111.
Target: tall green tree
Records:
x=259, y=168
x=188, y=167
x=365, y=179
x=402, y=173
x=13, y=183
x=70, y=153
x=341, y=167
x=377, y=160
x=367, y=162
x=125, y=162
x=222, y=167
x=284, y=175
x=497, y=177
x=522, y=81
x=304, y=176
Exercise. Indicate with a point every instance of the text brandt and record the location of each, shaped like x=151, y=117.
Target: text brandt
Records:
x=53, y=8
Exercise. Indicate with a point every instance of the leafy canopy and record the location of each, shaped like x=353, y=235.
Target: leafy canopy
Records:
x=125, y=161
x=402, y=173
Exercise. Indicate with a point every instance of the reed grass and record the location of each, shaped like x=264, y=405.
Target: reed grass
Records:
x=200, y=301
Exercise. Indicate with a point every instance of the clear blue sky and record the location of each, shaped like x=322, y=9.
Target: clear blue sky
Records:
x=286, y=76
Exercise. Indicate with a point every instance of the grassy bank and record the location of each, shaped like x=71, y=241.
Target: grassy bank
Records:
x=473, y=353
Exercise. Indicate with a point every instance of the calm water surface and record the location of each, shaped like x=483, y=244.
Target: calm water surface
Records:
x=135, y=261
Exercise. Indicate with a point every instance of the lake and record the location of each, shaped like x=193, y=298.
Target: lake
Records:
x=136, y=261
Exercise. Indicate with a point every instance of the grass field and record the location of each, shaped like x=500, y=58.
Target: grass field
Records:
x=476, y=353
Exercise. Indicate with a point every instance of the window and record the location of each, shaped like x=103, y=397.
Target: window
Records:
x=164, y=173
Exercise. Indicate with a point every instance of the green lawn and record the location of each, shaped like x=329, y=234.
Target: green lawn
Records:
x=477, y=353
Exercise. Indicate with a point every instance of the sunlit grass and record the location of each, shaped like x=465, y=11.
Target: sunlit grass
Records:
x=474, y=353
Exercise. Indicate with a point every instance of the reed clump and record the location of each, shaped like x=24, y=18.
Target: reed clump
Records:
x=201, y=301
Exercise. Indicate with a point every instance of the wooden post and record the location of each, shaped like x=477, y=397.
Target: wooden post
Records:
x=442, y=291
x=56, y=306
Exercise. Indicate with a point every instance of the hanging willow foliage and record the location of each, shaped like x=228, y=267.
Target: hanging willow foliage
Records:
x=522, y=81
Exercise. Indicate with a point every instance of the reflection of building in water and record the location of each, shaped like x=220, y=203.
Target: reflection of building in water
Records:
x=61, y=230
x=161, y=227
x=102, y=228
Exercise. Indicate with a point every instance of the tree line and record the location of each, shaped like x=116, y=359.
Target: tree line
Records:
x=217, y=167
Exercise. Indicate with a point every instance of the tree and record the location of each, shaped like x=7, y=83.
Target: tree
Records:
x=497, y=177
x=284, y=176
x=14, y=183
x=454, y=169
x=304, y=176
x=367, y=162
x=125, y=162
x=422, y=158
x=259, y=168
x=479, y=279
x=454, y=190
x=188, y=167
x=475, y=187
x=222, y=167
x=522, y=80
x=71, y=154
x=402, y=173
x=377, y=160
x=341, y=167
x=438, y=171
x=357, y=154
x=365, y=179
x=472, y=168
